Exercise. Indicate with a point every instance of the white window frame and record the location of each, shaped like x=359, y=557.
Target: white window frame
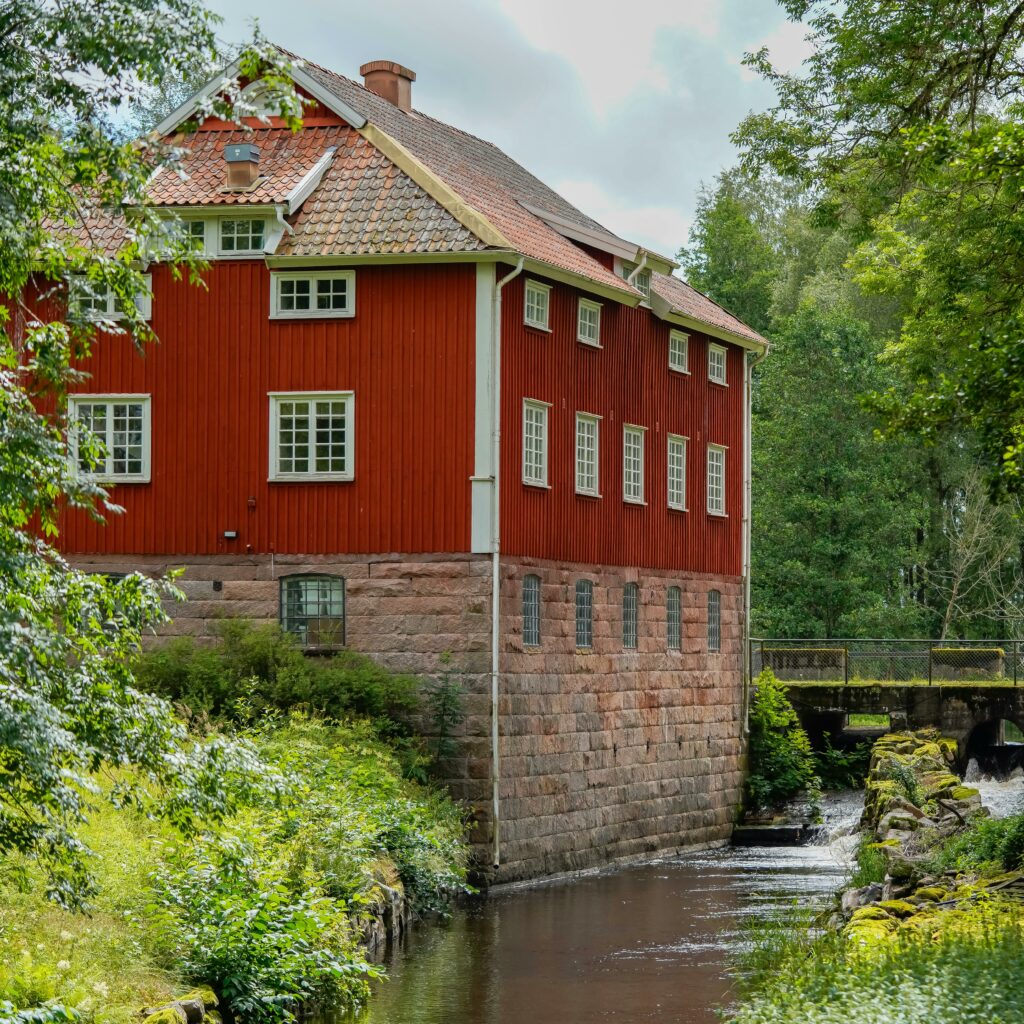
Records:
x=231, y=253
x=642, y=281
x=713, y=376
x=632, y=429
x=80, y=284
x=582, y=328
x=103, y=476
x=716, y=507
x=588, y=419
x=314, y=277
x=679, y=442
x=536, y=406
x=276, y=398
x=679, y=338
x=540, y=289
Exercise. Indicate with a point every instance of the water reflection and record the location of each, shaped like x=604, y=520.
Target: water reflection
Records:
x=648, y=943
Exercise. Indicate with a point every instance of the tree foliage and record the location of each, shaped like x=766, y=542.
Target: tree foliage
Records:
x=67, y=186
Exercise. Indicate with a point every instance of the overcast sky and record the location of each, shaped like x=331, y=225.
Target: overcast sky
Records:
x=623, y=107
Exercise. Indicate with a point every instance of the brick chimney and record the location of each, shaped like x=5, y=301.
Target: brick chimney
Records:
x=390, y=81
x=243, y=160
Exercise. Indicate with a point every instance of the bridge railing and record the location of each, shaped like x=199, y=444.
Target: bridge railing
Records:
x=993, y=662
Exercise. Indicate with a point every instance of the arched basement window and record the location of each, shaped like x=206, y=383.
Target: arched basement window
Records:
x=584, y=613
x=313, y=610
x=714, y=620
x=630, y=616
x=531, y=610
x=674, y=619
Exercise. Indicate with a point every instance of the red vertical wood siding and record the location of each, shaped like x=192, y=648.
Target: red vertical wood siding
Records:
x=625, y=381
x=408, y=354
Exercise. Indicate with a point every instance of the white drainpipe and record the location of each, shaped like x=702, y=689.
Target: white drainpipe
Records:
x=496, y=561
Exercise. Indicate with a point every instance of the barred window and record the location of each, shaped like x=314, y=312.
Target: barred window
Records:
x=535, y=442
x=630, y=616
x=587, y=454
x=633, y=464
x=537, y=303
x=674, y=619
x=242, y=235
x=714, y=620
x=716, y=480
x=110, y=436
x=313, y=610
x=584, y=613
x=311, y=436
x=531, y=610
x=588, y=323
x=679, y=351
x=676, y=472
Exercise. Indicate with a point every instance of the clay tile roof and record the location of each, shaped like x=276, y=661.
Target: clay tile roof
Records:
x=687, y=300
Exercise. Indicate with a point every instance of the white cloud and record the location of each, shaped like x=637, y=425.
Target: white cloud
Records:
x=787, y=45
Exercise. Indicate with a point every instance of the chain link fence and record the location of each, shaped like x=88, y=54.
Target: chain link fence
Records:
x=993, y=662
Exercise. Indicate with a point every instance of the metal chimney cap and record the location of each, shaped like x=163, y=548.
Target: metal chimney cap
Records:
x=243, y=152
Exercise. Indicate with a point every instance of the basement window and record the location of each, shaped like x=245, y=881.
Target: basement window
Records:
x=109, y=437
x=584, y=614
x=313, y=611
x=328, y=294
x=714, y=621
x=531, y=610
x=630, y=616
x=674, y=619
x=242, y=236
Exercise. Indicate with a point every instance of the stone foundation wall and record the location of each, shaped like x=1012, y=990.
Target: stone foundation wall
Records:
x=605, y=754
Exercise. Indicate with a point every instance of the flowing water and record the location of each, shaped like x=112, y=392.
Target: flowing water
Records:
x=638, y=944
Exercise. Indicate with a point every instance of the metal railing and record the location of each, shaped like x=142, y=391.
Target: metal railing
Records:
x=991, y=662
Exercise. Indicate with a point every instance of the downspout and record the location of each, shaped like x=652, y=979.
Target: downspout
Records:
x=496, y=559
x=748, y=377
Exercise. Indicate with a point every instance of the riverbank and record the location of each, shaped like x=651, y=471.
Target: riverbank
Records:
x=930, y=929
x=271, y=909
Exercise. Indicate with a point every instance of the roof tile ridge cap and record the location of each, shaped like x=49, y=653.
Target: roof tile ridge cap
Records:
x=439, y=190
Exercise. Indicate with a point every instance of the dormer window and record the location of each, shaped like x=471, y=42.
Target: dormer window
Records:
x=100, y=303
x=243, y=236
x=642, y=281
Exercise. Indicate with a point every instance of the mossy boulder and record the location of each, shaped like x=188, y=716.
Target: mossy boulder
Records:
x=205, y=995
x=932, y=893
x=876, y=912
x=172, y=1014
x=897, y=908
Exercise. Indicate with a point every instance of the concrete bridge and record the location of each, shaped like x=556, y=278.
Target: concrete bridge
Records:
x=971, y=713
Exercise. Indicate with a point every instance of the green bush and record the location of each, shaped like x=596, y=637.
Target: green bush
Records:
x=987, y=844
x=842, y=769
x=869, y=865
x=253, y=671
x=781, y=761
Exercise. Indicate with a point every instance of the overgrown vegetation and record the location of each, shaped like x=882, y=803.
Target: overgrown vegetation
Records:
x=986, y=846
x=781, y=762
x=842, y=768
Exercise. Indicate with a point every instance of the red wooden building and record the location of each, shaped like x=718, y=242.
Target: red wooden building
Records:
x=426, y=408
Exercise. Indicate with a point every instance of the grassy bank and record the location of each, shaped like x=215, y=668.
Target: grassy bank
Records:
x=268, y=906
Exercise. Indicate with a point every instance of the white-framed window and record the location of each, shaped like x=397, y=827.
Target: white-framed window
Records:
x=717, y=363
x=714, y=620
x=109, y=436
x=584, y=613
x=716, y=479
x=329, y=293
x=630, y=616
x=677, y=472
x=313, y=610
x=633, y=464
x=195, y=231
x=587, y=454
x=679, y=351
x=100, y=303
x=588, y=323
x=312, y=435
x=535, y=442
x=242, y=235
x=531, y=610
x=537, y=304
x=642, y=281
x=674, y=619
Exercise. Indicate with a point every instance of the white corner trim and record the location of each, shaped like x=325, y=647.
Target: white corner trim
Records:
x=310, y=180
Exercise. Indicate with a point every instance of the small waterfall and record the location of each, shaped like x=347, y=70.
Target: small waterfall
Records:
x=1002, y=797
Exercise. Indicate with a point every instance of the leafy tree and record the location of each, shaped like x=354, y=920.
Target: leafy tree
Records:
x=67, y=185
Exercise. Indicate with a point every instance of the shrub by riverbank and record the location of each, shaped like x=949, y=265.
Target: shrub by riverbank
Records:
x=268, y=908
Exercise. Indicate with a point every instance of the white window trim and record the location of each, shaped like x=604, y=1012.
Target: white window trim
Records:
x=642, y=500
x=724, y=379
x=720, y=513
x=595, y=307
x=546, y=288
x=668, y=470
x=596, y=420
x=145, y=401
x=143, y=300
x=534, y=403
x=276, y=397
x=313, y=276
x=238, y=213
x=685, y=338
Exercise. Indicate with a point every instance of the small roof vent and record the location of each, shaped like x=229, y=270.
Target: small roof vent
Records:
x=390, y=81
x=243, y=163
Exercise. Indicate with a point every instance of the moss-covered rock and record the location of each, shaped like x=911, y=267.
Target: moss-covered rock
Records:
x=203, y=994
x=932, y=893
x=897, y=908
x=167, y=1015
x=875, y=912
